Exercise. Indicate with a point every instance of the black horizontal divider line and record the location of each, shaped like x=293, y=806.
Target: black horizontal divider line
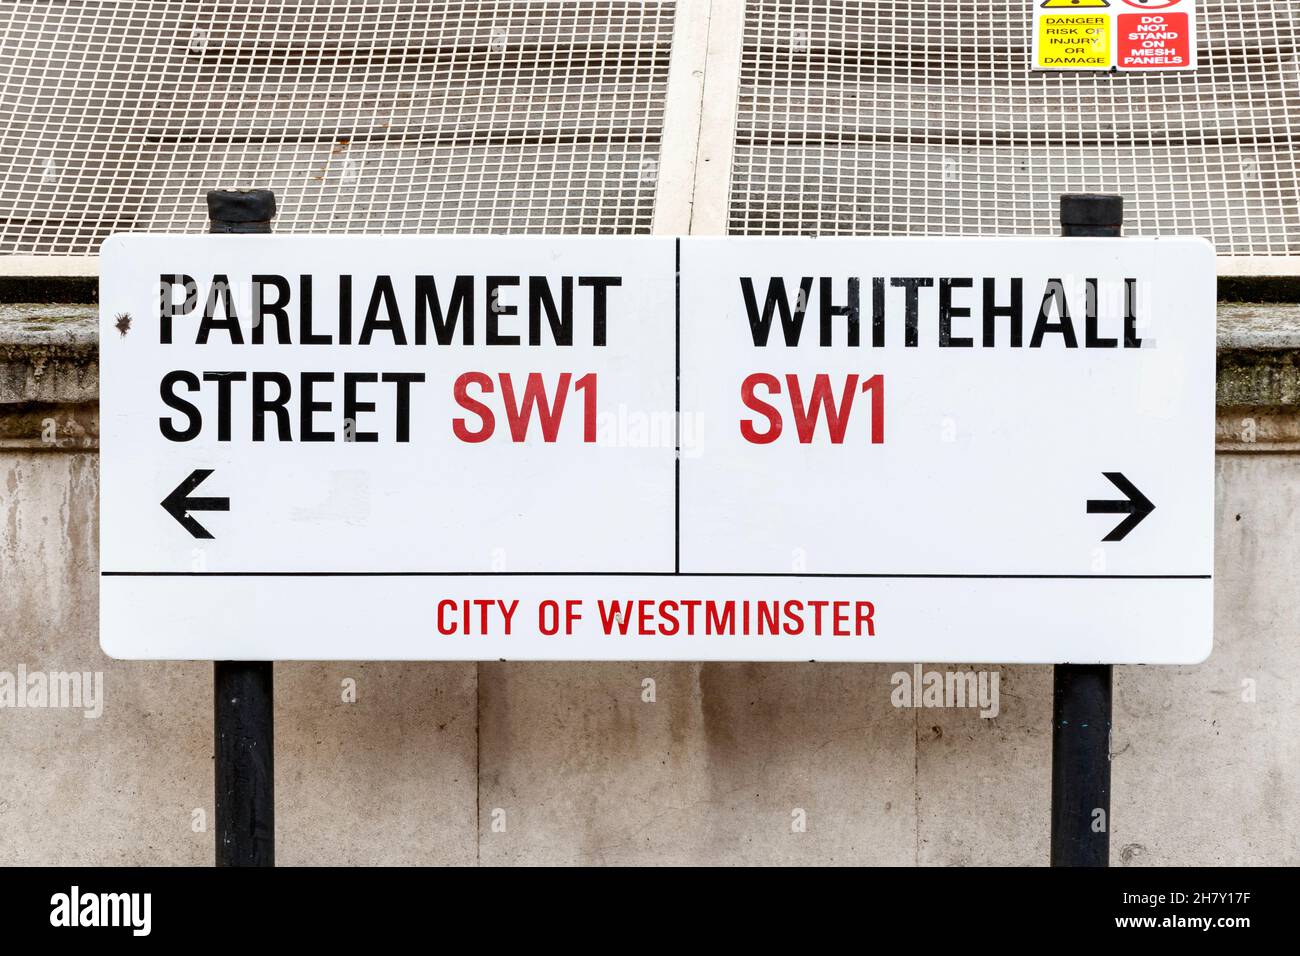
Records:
x=643, y=574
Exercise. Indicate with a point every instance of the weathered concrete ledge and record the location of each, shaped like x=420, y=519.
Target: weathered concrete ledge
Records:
x=49, y=377
x=1259, y=378
x=48, y=353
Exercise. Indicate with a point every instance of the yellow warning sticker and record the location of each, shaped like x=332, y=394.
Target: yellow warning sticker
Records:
x=1076, y=4
x=1073, y=41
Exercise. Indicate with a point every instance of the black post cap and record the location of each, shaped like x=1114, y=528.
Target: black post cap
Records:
x=241, y=210
x=1091, y=214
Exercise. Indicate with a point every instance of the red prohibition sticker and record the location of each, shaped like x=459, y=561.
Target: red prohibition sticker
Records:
x=1152, y=4
x=1153, y=41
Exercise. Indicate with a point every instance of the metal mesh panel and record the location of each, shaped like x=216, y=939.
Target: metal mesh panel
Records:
x=895, y=117
x=379, y=116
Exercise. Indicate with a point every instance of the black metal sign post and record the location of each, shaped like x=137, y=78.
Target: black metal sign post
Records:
x=1081, y=693
x=243, y=691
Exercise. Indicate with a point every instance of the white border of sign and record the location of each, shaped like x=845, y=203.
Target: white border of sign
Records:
x=1006, y=570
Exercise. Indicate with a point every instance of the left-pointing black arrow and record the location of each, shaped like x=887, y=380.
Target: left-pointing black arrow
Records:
x=1137, y=506
x=179, y=503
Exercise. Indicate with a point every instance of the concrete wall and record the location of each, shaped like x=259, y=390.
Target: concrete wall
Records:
x=581, y=769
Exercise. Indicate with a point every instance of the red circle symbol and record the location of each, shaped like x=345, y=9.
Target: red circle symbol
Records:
x=1152, y=4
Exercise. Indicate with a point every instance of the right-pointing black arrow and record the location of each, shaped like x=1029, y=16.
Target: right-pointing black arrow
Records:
x=178, y=504
x=1137, y=506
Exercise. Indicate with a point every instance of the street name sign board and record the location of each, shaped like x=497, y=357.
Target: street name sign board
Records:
x=482, y=448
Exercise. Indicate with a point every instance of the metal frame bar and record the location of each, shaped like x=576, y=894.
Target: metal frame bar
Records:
x=717, y=137
x=683, y=107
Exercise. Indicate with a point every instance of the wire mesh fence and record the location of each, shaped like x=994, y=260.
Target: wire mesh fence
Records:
x=881, y=117
x=870, y=117
x=364, y=115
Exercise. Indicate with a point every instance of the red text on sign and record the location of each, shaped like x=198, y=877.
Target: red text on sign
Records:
x=807, y=410
x=520, y=408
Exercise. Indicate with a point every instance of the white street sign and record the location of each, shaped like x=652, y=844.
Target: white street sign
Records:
x=994, y=450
